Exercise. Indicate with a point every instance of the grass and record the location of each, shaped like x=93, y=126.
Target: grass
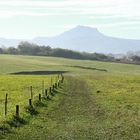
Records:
x=119, y=98
x=91, y=104
x=67, y=118
x=15, y=63
x=18, y=89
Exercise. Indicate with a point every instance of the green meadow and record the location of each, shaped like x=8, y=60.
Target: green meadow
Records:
x=98, y=100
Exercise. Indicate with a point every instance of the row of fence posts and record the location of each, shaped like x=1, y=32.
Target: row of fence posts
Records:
x=51, y=90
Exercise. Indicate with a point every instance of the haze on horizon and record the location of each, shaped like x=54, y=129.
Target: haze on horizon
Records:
x=31, y=18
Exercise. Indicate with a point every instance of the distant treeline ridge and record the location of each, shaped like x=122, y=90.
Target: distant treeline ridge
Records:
x=26, y=48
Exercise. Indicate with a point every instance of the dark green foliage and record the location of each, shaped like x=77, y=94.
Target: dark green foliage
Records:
x=12, y=50
x=136, y=58
x=1, y=51
x=26, y=48
x=67, y=53
x=32, y=110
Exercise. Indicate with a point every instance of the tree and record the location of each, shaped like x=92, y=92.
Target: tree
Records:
x=12, y=50
x=1, y=51
x=135, y=58
x=28, y=48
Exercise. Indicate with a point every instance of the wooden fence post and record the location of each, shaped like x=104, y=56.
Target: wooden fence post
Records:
x=55, y=85
x=51, y=81
x=6, y=102
x=46, y=92
x=56, y=79
x=43, y=87
x=39, y=97
x=31, y=91
x=58, y=83
x=17, y=111
x=50, y=89
x=30, y=102
x=62, y=78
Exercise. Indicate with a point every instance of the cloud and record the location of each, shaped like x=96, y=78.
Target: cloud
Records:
x=15, y=13
x=130, y=7
x=108, y=25
x=63, y=3
x=90, y=9
x=37, y=3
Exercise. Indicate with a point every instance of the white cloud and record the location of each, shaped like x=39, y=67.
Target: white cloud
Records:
x=123, y=23
x=123, y=7
x=14, y=13
x=37, y=3
x=93, y=9
x=63, y=3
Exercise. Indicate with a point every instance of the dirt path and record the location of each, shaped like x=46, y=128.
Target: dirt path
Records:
x=72, y=116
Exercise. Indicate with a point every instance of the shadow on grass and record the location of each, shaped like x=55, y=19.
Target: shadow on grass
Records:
x=41, y=103
x=56, y=91
x=88, y=68
x=61, y=87
x=48, y=98
x=16, y=122
x=32, y=111
x=38, y=72
x=5, y=128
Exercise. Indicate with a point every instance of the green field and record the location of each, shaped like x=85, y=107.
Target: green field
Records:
x=98, y=100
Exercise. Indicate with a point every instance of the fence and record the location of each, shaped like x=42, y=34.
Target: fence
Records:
x=45, y=93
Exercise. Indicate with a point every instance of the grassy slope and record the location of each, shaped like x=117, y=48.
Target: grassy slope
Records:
x=11, y=63
x=80, y=113
x=73, y=116
x=91, y=105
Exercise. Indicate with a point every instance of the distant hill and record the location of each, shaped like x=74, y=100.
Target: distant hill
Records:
x=90, y=39
x=9, y=42
x=84, y=38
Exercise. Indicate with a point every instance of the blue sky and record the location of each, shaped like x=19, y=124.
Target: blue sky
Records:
x=31, y=18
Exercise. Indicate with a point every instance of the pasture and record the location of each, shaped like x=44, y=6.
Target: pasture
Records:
x=98, y=100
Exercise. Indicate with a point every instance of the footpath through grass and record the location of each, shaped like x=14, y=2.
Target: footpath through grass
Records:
x=70, y=115
x=80, y=111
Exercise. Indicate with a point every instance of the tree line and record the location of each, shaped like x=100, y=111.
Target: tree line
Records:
x=26, y=48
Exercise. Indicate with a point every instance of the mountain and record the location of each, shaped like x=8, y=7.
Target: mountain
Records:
x=89, y=39
x=9, y=42
x=82, y=38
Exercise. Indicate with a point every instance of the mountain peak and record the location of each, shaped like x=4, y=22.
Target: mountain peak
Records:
x=85, y=27
x=79, y=31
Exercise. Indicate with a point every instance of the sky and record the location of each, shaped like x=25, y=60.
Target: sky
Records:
x=26, y=19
